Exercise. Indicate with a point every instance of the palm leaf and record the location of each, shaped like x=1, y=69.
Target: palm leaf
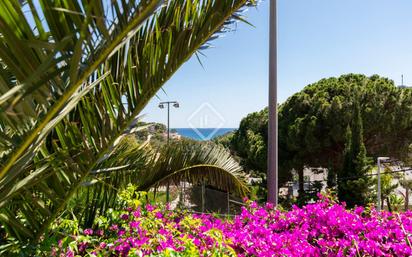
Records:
x=193, y=163
x=181, y=161
x=72, y=85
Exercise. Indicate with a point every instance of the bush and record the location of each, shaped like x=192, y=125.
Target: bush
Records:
x=324, y=228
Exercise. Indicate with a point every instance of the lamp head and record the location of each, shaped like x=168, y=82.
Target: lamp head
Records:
x=161, y=106
x=176, y=105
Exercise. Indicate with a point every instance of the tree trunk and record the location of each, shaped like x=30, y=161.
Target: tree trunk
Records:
x=406, y=198
x=389, y=204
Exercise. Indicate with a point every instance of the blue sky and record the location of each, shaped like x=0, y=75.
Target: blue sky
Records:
x=316, y=39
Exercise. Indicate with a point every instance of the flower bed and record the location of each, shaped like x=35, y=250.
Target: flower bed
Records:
x=320, y=229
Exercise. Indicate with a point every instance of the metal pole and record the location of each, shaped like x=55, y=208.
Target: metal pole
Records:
x=272, y=173
x=168, y=122
x=379, y=185
x=168, y=137
x=379, y=193
x=161, y=105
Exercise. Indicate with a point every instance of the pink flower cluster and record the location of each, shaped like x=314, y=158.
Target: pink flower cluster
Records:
x=320, y=229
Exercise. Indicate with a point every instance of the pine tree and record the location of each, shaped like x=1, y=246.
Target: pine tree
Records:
x=353, y=182
x=344, y=193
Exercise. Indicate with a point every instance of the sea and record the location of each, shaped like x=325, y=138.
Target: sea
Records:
x=202, y=134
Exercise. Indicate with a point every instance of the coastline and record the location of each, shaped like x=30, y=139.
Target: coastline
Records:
x=202, y=134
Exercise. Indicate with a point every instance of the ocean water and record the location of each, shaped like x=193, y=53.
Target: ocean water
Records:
x=202, y=134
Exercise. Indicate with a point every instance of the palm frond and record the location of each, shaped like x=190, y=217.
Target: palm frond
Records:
x=178, y=162
x=194, y=163
x=72, y=84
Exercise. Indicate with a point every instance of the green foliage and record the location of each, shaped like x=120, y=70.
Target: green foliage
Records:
x=130, y=197
x=353, y=180
x=313, y=122
x=154, y=134
x=72, y=84
x=249, y=141
x=224, y=140
x=395, y=202
x=154, y=224
x=388, y=187
x=194, y=163
x=141, y=168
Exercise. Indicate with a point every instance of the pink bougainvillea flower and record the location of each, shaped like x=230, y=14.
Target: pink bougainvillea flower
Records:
x=323, y=228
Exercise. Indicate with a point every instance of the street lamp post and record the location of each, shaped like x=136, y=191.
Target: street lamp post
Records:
x=161, y=106
x=272, y=159
x=380, y=159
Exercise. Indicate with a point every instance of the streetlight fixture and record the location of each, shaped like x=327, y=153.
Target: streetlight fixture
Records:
x=380, y=160
x=162, y=106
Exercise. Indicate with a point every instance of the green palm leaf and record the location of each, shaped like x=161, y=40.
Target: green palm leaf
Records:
x=180, y=161
x=194, y=163
x=75, y=82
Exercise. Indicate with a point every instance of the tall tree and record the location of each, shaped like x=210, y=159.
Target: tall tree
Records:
x=353, y=179
x=312, y=124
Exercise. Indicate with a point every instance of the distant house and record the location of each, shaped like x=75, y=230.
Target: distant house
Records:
x=312, y=176
x=173, y=136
